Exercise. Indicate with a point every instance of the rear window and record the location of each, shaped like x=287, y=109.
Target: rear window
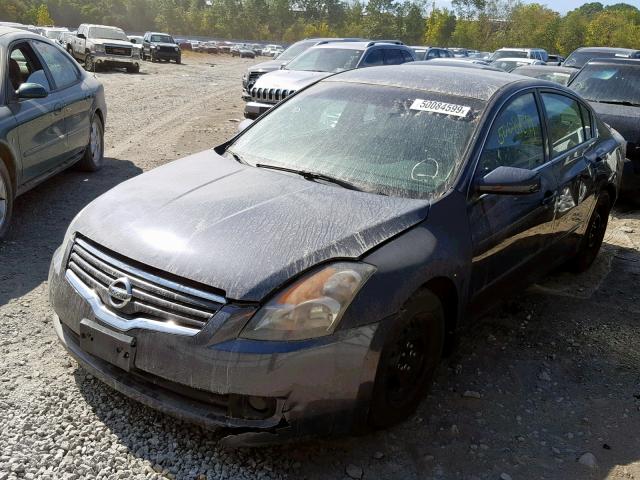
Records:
x=579, y=58
x=618, y=84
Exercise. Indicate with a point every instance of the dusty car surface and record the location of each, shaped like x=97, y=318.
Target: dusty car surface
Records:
x=509, y=64
x=105, y=46
x=330, y=249
x=612, y=86
x=580, y=56
x=457, y=62
x=560, y=75
x=52, y=115
x=318, y=62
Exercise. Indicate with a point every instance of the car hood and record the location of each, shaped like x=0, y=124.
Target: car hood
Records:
x=268, y=66
x=625, y=119
x=237, y=228
x=289, y=79
x=105, y=41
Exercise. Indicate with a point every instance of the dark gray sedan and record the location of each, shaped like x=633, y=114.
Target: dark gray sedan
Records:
x=305, y=276
x=52, y=115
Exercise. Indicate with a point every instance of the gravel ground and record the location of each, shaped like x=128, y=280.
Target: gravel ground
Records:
x=546, y=386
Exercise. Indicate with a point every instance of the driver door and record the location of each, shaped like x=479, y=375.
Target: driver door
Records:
x=508, y=231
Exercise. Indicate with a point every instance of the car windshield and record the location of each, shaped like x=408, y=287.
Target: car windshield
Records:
x=326, y=60
x=107, y=33
x=609, y=83
x=385, y=140
x=509, y=54
x=579, y=58
x=161, y=39
x=294, y=50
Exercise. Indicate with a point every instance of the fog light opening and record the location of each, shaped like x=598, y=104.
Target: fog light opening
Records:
x=260, y=404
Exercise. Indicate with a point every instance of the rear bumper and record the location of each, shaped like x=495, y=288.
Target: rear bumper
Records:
x=316, y=387
x=253, y=110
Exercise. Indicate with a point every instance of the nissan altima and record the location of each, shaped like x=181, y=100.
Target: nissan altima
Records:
x=305, y=276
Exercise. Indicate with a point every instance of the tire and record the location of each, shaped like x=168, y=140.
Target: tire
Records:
x=411, y=352
x=594, y=235
x=178, y=61
x=89, y=63
x=93, y=157
x=142, y=57
x=153, y=58
x=133, y=69
x=6, y=200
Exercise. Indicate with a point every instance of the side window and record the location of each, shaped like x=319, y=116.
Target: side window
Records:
x=24, y=67
x=62, y=69
x=586, y=119
x=433, y=53
x=515, y=139
x=565, y=122
x=374, y=57
x=406, y=56
x=392, y=56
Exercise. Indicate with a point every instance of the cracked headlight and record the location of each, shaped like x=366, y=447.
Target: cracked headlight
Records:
x=310, y=307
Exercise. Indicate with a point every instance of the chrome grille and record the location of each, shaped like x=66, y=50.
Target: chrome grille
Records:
x=253, y=76
x=270, y=95
x=153, y=297
x=115, y=50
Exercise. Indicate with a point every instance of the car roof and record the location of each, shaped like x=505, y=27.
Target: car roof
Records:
x=358, y=45
x=606, y=49
x=9, y=33
x=456, y=62
x=614, y=61
x=457, y=81
x=517, y=49
x=545, y=68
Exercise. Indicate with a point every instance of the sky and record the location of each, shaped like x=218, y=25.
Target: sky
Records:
x=562, y=6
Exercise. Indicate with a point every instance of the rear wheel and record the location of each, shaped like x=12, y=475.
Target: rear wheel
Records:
x=408, y=361
x=6, y=199
x=94, y=153
x=593, y=236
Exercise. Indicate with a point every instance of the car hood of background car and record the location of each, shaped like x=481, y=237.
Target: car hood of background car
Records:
x=237, y=228
x=289, y=79
x=625, y=119
x=268, y=66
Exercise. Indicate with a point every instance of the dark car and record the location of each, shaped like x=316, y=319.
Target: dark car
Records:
x=555, y=59
x=160, y=46
x=612, y=86
x=582, y=55
x=560, y=75
x=52, y=115
x=429, y=53
x=256, y=71
x=332, y=247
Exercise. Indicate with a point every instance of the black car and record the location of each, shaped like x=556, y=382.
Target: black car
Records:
x=612, y=86
x=52, y=115
x=580, y=56
x=160, y=46
x=332, y=247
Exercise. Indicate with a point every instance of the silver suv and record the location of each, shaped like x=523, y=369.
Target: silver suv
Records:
x=533, y=53
x=319, y=62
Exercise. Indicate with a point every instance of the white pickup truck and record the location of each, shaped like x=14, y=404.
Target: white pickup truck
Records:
x=104, y=46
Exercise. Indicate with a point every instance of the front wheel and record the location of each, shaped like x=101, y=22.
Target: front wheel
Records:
x=89, y=63
x=408, y=361
x=178, y=61
x=133, y=69
x=594, y=235
x=94, y=153
x=6, y=200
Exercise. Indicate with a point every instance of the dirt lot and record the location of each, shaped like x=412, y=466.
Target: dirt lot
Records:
x=532, y=387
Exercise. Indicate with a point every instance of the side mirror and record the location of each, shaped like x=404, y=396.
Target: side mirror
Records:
x=81, y=35
x=31, y=90
x=244, y=124
x=509, y=181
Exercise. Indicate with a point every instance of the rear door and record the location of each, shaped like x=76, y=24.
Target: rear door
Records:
x=41, y=126
x=72, y=95
x=509, y=231
x=572, y=145
x=393, y=56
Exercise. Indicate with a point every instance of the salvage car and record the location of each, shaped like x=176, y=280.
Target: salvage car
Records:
x=318, y=62
x=561, y=75
x=105, y=46
x=332, y=247
x=612, y=86
x=522, y=53
x=158, y=46
x=580, y=56
x=256, y=71
x=52, y=115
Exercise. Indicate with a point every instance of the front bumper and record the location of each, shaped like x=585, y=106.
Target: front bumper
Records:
x=253, y=110
x=160, y=55
x=318, y=387
x=116, y=60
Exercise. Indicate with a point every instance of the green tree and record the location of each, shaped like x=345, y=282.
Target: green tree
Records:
x=42, y=16
x=440, y=26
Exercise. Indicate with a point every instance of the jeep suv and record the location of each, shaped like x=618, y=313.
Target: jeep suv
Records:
x=256, y=71
x=319, y=62
x=102, y=45
x=160, y=46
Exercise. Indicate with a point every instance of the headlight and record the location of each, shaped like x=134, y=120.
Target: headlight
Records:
x=310, y=307
x=154, y=46
x=177, y=49
x=98, y=48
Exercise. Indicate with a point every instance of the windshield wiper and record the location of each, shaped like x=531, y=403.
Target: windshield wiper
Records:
x=311, y=175
x=618, y=102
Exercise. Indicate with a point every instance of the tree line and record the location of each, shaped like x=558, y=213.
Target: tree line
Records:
x=480, y=24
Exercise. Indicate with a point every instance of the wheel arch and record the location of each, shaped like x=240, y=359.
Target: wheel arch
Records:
x=447, y=292
x=9, y=160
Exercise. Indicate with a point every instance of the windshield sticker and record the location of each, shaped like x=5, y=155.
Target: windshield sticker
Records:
x=440, y=107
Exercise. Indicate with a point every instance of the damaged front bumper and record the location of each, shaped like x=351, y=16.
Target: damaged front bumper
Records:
x=216, y=380
x=117, y=61
x=253, y=110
